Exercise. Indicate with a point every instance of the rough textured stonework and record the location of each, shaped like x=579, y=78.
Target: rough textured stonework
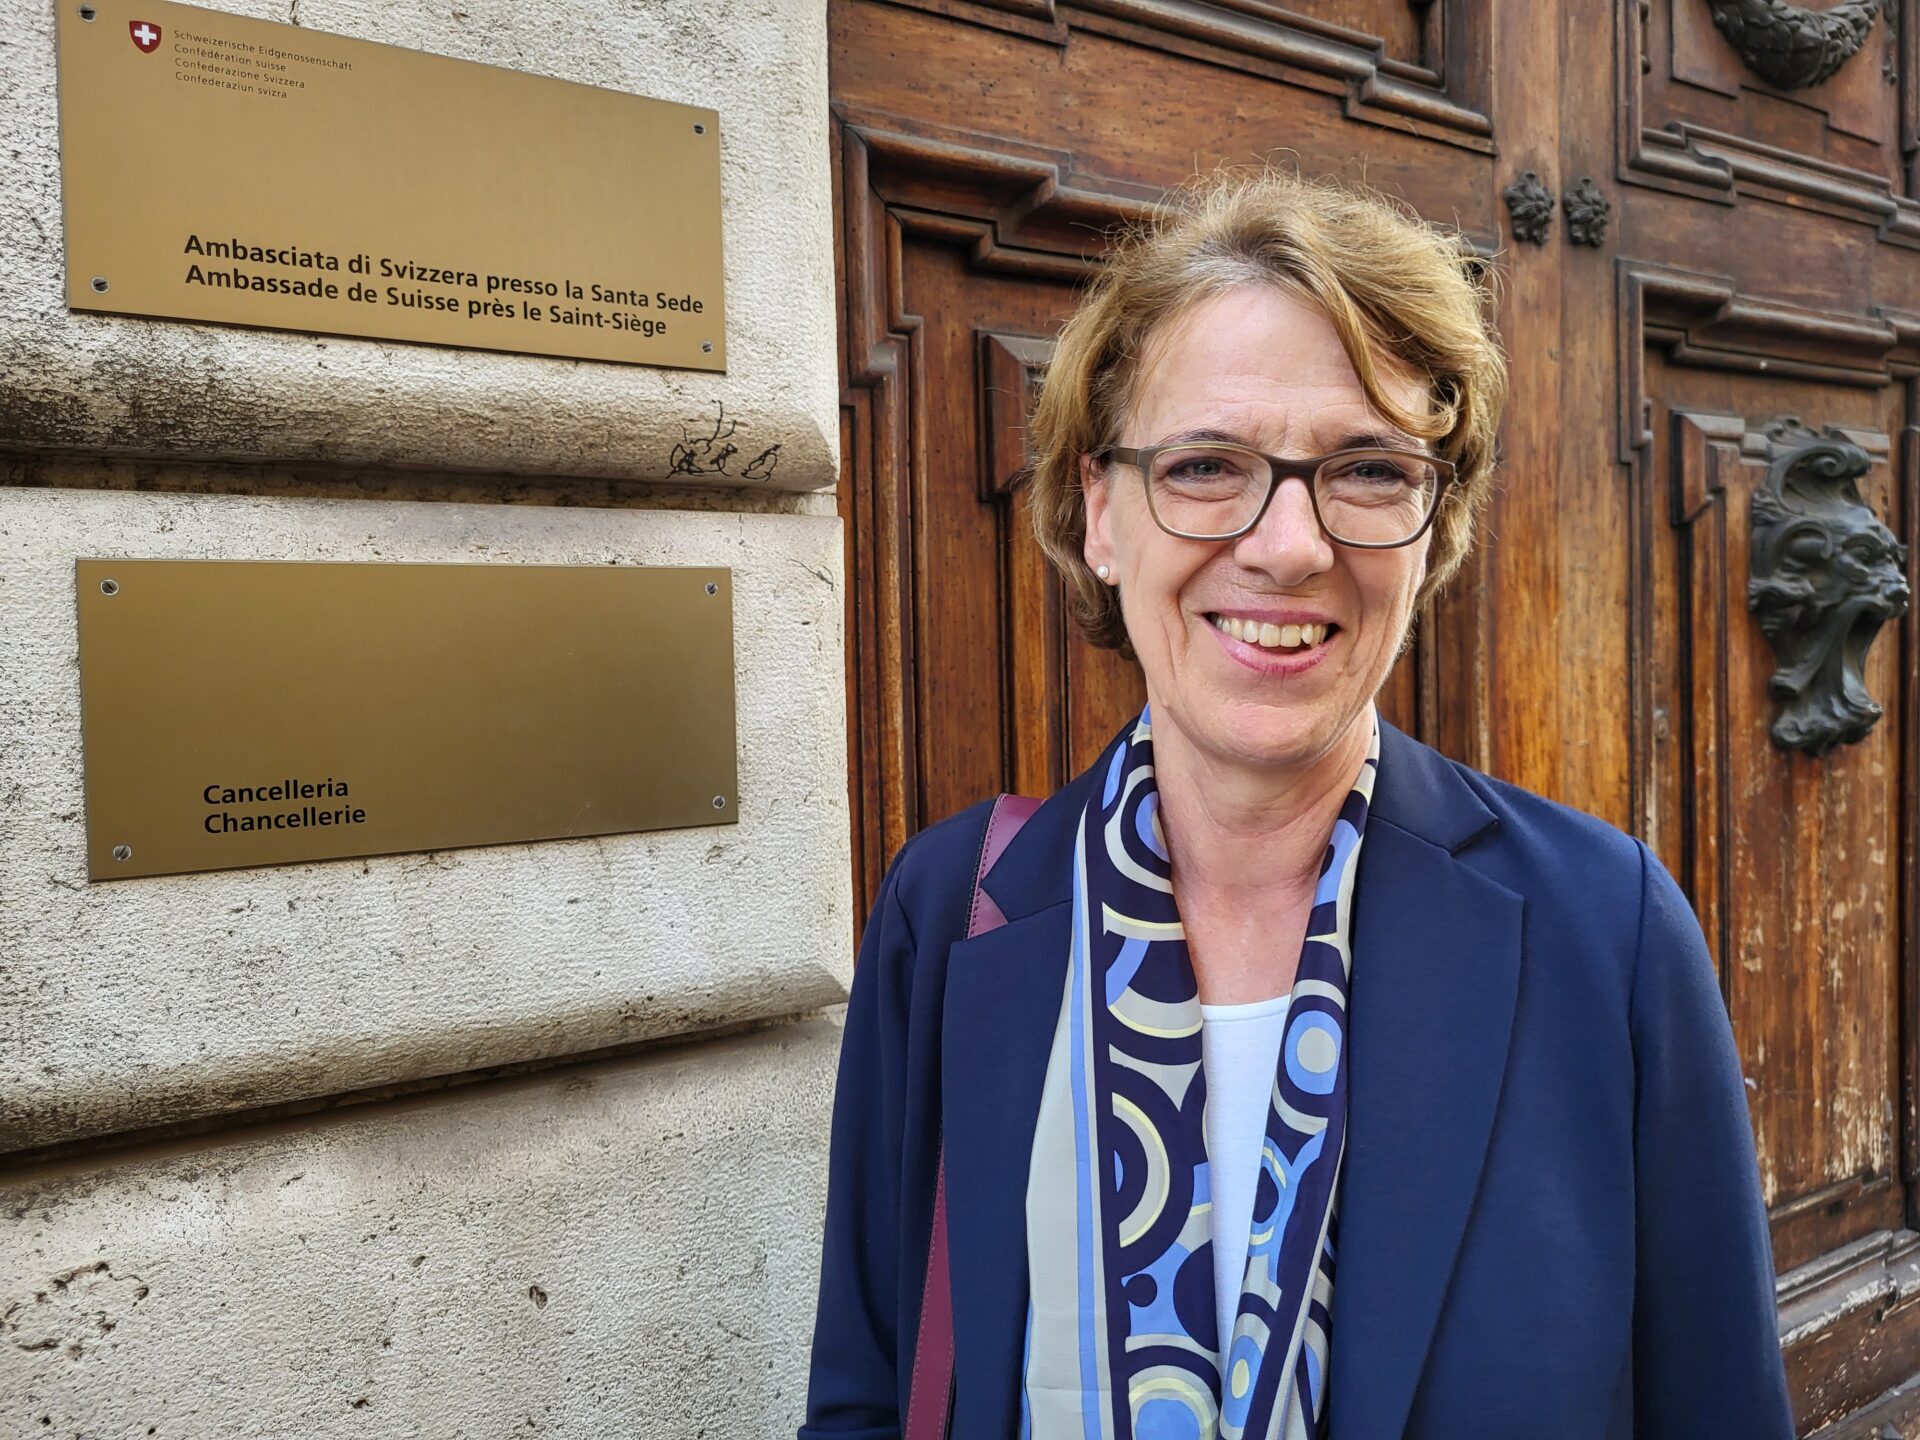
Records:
x=137, y=1002
x=90, y=383
x=603, y=1247
x=618, y=1250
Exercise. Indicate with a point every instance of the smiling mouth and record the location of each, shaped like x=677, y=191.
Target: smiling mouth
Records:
x=1273, y=637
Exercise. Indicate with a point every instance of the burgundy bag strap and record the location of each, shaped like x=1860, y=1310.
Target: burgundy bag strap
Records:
x=930, y=1396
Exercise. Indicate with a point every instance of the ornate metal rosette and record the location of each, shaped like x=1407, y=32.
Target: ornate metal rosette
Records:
x=1587, y=213
x=1531, y=205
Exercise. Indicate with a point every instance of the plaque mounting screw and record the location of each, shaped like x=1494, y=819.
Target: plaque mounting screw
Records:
x=719, y=802
x=109, y=587
x=698, y=128
x=123, y=852
x=712, y=589
x=99, y=284
x=706, y=346
x=87, y=12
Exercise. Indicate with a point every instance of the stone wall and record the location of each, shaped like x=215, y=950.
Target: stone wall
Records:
x=614, y=1249
x=527, y=1139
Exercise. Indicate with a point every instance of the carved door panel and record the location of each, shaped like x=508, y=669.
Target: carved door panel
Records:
x=984, y=151
x=1060, y=692
x=1765, y=250
x=1002, y=694
x=1788, y=837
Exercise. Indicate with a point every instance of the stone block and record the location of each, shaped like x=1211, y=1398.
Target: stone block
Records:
x=620, y=1249
x=134, y=1003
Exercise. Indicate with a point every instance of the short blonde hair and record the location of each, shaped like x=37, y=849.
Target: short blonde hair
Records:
x=1392, y=285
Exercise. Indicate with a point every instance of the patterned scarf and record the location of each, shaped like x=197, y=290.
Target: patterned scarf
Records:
x=1121, y=1331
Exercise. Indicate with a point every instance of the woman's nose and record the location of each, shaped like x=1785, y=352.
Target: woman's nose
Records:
x=1288, y=543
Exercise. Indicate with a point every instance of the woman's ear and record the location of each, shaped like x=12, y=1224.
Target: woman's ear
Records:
x=1097, y=548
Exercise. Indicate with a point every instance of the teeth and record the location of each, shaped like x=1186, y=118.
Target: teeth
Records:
x=1272, y=637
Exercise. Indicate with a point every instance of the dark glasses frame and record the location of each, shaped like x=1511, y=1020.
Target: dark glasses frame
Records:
x=1279, y=469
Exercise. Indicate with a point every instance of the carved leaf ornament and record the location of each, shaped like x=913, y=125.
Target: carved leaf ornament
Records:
x=1531, y=205
x=1791, y=46
x=1825, y=574
x=1587, y=213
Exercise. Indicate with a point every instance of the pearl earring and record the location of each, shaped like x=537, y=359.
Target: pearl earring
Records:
x=1104, y=572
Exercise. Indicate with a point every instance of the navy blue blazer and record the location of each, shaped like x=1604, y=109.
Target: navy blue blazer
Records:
x=1550, y=1216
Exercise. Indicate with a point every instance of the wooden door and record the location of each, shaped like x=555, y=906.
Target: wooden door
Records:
x=1765, y=283
x=1723, y=250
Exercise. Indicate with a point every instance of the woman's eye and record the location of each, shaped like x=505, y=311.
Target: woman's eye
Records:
x=1377, y=471
x=1193, y=471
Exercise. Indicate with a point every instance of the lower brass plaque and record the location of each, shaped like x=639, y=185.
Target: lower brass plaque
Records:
x=239, y=713
x=217, y=167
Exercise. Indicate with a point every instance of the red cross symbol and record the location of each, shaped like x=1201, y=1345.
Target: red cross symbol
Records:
x=146, y=36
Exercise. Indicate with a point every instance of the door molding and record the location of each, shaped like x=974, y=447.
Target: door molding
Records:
x=1015, y=213
x=1443, y=96
x=1714, y=165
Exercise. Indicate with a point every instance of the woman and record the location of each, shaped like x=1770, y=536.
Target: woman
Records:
x=1315, y=1084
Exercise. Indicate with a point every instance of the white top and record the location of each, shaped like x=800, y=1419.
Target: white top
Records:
x=1240, y=1056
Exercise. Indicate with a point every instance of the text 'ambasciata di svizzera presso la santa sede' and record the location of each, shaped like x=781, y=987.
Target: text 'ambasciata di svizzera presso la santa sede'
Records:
x=415, y=285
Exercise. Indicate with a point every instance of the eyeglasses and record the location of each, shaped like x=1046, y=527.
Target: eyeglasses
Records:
x=1369, y=499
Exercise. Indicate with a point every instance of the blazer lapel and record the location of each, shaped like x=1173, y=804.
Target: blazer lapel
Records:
x=1002, y=1002
x=1003, y=998
x=1436, y=971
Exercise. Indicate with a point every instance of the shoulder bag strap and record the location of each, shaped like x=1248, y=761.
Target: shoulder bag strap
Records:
x=930, y=1397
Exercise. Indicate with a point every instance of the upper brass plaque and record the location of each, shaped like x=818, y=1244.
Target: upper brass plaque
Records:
x=252, y=713
x=219, y=168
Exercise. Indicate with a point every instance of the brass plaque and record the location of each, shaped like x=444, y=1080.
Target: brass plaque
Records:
x=239, y=713
x=220, y=168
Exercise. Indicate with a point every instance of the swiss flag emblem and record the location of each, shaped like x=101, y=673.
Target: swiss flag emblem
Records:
x=145, y=35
